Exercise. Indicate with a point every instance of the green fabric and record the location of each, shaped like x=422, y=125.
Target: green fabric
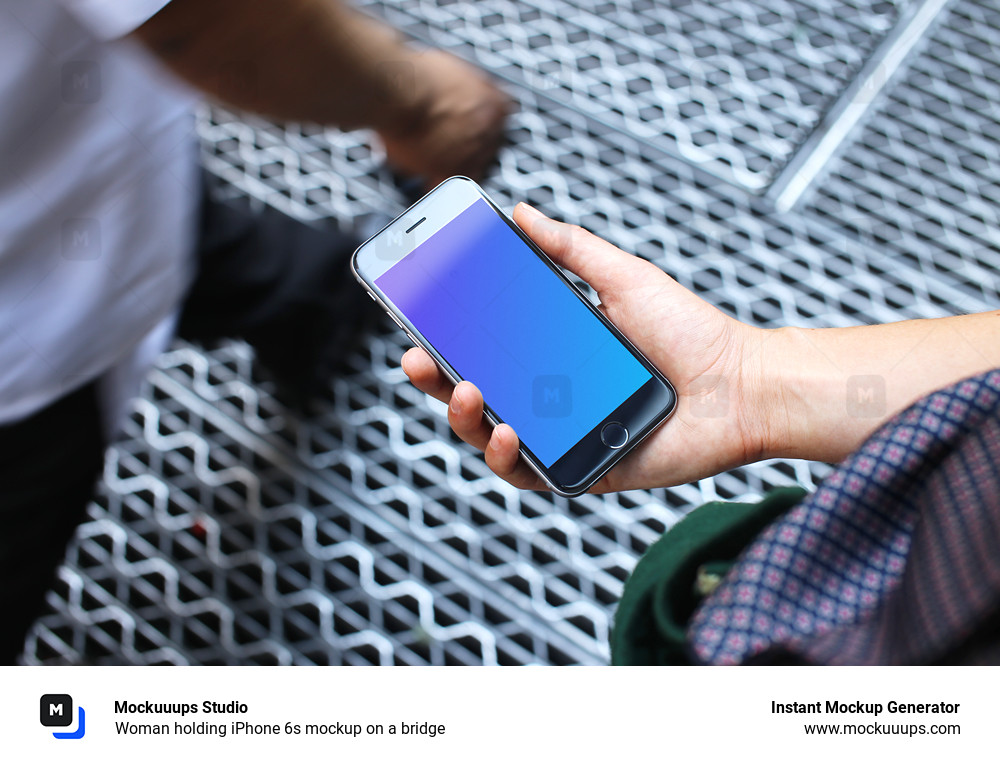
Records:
x=665, y=588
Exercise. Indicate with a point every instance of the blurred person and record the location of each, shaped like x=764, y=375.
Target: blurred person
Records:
x=891, y=560
x=109, y=243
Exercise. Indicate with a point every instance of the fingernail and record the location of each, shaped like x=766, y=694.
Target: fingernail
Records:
x=456, y=404
x=495, y=440
x=530, y=209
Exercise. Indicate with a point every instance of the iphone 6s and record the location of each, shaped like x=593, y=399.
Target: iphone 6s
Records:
x=470, y=288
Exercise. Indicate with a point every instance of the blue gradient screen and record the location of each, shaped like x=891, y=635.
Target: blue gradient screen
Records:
x=504, y=321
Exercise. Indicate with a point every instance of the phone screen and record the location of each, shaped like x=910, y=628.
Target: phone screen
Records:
x=506, y=322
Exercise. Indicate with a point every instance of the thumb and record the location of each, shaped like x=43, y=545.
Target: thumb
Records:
x=598, y=263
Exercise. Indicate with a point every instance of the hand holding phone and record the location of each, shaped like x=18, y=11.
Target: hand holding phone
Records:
x=646, y=304
x=705, y=353
x=744, y=393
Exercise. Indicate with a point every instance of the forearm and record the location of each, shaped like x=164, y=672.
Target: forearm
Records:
x=829, y=389
x=303, y=60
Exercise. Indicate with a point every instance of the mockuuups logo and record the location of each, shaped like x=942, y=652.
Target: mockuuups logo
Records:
x=56, y=710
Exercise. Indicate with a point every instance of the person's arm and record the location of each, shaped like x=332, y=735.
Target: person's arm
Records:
x=321, y=61
x=837, y=385
x=744, y=394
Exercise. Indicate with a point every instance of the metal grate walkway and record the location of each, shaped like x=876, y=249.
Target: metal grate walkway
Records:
x=817, y=163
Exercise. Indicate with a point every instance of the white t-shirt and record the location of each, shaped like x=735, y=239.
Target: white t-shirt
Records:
x=99, y=188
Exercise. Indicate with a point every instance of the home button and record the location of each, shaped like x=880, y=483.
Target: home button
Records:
x=614, y=435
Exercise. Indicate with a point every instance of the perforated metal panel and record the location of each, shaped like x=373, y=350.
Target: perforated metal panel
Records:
x=732, y=86
x=922, y=183
x=228, y=530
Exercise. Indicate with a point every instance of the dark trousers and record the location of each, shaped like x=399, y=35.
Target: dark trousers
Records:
x=280, y=284
x=48, y=466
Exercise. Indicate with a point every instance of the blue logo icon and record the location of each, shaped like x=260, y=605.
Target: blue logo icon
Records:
x=57, y=710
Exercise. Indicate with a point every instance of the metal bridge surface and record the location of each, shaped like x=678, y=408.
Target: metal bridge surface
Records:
x=807, y=162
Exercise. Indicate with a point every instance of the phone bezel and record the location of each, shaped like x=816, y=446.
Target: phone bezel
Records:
x=641, y=413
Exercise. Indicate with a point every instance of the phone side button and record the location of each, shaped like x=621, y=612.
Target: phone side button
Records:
x=614, y=435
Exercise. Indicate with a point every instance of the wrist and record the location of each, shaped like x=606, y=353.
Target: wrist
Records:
x=408, y=92
x=784, y=392
x=764, y=422
x=388, y=92
x=808, y=414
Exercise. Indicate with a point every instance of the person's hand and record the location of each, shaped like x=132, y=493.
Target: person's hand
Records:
x=458, y=127
x=723, y=410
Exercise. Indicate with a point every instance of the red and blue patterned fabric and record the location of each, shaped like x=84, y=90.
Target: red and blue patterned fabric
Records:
x=894, y=559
